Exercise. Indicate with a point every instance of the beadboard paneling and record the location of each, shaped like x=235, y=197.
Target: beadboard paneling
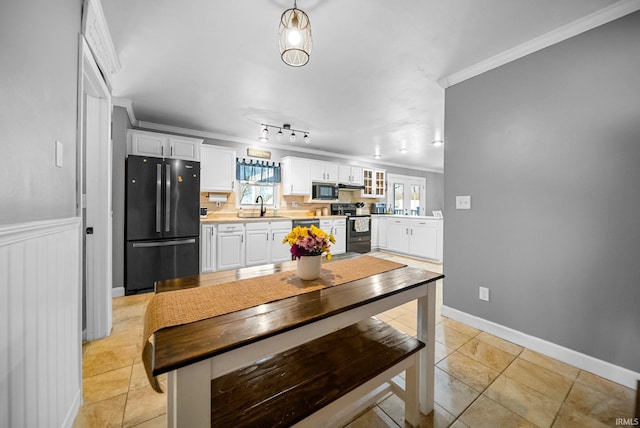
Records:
x=40, y=330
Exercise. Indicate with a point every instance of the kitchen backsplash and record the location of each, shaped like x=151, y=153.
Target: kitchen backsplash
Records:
x=301, y=207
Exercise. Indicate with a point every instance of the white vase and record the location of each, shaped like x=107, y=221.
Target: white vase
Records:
x=309, y=267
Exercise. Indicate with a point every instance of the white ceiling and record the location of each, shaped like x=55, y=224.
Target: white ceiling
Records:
x=371, y=83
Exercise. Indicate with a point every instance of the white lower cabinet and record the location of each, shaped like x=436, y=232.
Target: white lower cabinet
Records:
x=340, y=234
x=257, y=244
x=280, y=252
x=423, y=240
x=338, y=228
x=382, y=232
x=264, y=242
x=398, y=235
x=375, y=221
x=230, y=246
x=207, y=248
x=417, y=237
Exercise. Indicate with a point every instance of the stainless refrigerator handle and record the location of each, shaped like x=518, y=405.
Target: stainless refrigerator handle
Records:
x=167, y=202
x=158, y=197
x=164, y=243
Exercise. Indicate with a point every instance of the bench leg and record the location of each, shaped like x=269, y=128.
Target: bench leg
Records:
x=411, y=396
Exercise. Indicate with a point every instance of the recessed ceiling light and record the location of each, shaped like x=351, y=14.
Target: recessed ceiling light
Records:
x=403, y=150
x=377, y=156
x=438, y=143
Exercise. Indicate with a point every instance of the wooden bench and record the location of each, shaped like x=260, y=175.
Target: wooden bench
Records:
x=324, y=382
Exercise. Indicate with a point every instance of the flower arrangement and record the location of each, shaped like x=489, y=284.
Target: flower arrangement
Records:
x=307, y=241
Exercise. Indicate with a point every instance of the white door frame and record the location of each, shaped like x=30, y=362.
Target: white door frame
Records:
x=94, y=133
x=407, y=180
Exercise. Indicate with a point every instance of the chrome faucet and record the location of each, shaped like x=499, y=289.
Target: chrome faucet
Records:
x=263, y=210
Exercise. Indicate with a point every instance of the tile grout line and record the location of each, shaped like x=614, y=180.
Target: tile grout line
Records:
x=486, y=388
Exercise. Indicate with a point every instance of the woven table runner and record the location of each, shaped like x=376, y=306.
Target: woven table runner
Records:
x=180, y=307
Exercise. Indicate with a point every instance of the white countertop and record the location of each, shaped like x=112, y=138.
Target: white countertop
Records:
x=423, y=217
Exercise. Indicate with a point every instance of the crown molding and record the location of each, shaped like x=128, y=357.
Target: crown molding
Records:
x=593, y=20
x=128, y=105
x=212, y=135
x=96, y=32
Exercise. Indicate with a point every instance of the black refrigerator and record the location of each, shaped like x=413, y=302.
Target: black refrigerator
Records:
x=162, y=221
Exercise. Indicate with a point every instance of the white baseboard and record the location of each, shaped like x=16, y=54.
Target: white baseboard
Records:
x=117, y=292
x=585, y=362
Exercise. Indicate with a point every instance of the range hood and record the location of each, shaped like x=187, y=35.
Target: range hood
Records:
x=350, y=187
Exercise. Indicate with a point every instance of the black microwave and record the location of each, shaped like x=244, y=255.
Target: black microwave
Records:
x=324, y=191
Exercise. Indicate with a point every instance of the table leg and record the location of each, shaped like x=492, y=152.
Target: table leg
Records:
x=189, y=396
x=426, y=334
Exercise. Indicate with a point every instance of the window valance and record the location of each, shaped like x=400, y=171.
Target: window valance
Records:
x=257, y=171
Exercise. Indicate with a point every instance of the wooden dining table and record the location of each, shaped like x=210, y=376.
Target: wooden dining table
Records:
x=195, y=353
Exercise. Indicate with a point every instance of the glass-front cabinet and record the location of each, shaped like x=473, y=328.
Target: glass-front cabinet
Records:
x=374, y=183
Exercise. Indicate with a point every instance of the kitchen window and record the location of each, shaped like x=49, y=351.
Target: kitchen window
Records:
x=257, y=178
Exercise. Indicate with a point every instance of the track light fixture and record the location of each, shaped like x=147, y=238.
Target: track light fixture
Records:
x=264, y=133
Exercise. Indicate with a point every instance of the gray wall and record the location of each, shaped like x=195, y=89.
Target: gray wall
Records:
x=548, y=147
x=38, y=87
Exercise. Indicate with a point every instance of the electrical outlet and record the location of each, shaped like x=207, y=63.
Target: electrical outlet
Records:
x=294, y=204
x=484, y=294
x=463, y=202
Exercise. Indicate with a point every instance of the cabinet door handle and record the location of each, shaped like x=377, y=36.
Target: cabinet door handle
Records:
x=171, y=151
x=273, y=236
x=292, y=188
x=242, y=239
x=412, y=231
x=267, y=233
x=233, y=183
x=407, y=231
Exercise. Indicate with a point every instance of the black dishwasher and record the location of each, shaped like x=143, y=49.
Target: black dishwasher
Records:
x=307, y=222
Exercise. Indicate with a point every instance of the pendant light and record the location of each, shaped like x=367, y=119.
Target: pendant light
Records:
x=295, y=37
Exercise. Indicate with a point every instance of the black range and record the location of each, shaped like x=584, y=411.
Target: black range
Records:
x=358, y=227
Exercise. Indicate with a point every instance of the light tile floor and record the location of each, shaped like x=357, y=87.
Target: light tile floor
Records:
x=481, y=380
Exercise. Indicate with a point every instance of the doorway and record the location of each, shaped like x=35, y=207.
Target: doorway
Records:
x=406, y=194
x=94, y=196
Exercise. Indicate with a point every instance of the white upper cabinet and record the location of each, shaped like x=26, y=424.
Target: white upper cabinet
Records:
x=145, y=143
x=374, y=183
x=350, y=175
x=324, y=172
x=184, y=148
x=218, y=169
x=296, y=179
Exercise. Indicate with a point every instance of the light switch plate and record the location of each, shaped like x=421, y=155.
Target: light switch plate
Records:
x=59, y=154
x=463, y=202
x=483, y=294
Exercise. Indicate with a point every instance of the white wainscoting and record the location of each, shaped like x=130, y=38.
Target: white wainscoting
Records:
x=40, y=323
